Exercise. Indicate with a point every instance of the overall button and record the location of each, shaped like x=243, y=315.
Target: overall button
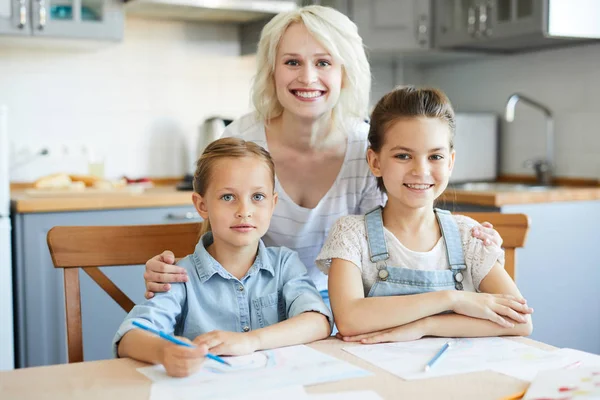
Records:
x=458, y=277
x=458, y=286
x=241, y=288
x=246, y=328
x=383, y=274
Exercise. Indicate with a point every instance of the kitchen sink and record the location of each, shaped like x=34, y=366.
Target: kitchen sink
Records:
x=498, y=187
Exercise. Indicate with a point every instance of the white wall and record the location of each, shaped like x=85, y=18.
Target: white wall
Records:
x=567, y=80
x=139, y=101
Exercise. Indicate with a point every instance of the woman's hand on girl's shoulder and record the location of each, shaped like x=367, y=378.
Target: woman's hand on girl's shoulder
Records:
x=502, y=309
x=229, y=343
x=404, y=333
x=160, y=271
x=487, y=234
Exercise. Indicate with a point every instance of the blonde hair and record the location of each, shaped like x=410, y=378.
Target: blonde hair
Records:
x=408, y=102
x=339, y=35
x=226, y=148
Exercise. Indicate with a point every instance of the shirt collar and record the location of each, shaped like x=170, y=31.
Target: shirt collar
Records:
x=207, y=266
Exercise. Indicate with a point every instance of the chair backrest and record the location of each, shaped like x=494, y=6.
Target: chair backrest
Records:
x=512, y=227
x=89, y=247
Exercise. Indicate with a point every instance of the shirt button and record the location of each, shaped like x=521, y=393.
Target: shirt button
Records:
x=246, y=328
x=241, y=288
x=383, y=274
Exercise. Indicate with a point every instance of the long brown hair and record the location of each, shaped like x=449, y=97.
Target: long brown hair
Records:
x=226, y=148
x=407, y=102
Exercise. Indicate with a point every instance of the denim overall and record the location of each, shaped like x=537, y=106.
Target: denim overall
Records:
x=397, y=280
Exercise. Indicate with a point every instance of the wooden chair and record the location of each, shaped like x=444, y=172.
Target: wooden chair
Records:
x=512, y=227
x=89, y=247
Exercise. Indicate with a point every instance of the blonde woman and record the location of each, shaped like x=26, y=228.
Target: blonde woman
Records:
x=311, y=93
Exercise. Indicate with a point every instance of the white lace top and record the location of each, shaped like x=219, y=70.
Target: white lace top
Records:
x=348, y=240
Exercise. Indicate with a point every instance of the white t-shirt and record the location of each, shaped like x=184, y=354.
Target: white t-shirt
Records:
x=303, y=229
x=348, y=241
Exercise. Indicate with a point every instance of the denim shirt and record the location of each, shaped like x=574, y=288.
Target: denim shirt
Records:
x=275, y=288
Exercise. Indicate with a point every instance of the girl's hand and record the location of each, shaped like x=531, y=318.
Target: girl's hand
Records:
x=229, y=343
x=494, y=307
x=160, y=271
x=487, y=234
x=404, y=333
x=181, y=361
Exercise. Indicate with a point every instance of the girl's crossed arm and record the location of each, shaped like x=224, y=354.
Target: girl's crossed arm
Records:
x=356, y=315
x=462, y=325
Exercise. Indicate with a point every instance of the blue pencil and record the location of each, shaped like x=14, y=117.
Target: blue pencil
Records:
x=172, y=339
x=437, y=356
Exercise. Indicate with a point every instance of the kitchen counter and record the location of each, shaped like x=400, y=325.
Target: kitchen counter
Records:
x=23, y=202
x=498, y=197
x=166, y=196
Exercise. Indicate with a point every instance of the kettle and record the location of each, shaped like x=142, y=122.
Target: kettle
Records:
x=210, y=130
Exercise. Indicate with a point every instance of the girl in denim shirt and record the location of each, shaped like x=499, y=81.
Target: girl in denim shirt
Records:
x=407, y=270
x=241, y=296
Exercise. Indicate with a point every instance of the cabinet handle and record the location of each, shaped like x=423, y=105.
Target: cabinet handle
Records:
x=422, y=30
x=471, y=20
x=484, y=19
x=184, y=216
x=42, y=14
x=22, y=14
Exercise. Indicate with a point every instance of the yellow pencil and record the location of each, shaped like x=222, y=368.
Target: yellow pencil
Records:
x=515, y=396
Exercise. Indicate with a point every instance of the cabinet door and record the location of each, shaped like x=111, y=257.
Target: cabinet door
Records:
x=456, y=22
x=511, y=18
x=15, y=17
x=78, y=19
x=39, y=287
x=391, y=25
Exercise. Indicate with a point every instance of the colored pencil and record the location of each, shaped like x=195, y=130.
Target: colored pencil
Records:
x=437, y=356
x=173, y=339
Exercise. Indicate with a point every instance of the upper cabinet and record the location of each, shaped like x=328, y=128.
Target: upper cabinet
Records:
x=512, y=25
x=387, y=25
x=75, y=19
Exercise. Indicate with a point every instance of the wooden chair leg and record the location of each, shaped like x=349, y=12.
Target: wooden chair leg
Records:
x=73, y=306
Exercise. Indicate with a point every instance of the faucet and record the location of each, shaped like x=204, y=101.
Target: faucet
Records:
x=543, y=168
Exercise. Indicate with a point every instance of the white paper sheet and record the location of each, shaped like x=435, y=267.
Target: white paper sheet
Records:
x=557, y=359
x=167, y=392
x=355, y=395
x=271, y=369
x=573, y=384
x=408, y=359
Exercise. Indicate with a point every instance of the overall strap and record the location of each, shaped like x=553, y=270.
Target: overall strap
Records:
x=375, y=236
x=454, y=249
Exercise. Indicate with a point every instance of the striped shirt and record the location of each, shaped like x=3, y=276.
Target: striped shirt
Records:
x=305, y=229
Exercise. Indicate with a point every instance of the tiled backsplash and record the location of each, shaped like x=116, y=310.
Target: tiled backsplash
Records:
x=138, y=102
x=567, y=80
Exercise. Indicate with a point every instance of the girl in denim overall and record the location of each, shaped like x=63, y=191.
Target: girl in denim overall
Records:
x=409, y=270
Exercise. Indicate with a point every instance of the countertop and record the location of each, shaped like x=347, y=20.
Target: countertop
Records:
x=168, y=196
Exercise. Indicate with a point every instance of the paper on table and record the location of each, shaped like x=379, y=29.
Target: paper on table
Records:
x=408, y=359
x=355, y=395
x=166, y=392
x=575, y=384
x=295, y=365
x=562, y=358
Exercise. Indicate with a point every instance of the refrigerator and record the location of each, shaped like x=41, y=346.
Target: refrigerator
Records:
x=6, y=283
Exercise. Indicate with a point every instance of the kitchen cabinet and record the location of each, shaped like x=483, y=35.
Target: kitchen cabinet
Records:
x=386, y=26
x=39, y=288
x=73, y=19
x=557, y=270
x=506, y=25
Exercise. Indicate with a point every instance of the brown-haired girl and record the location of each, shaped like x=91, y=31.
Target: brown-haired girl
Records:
x=409, y=270
x=241, y=295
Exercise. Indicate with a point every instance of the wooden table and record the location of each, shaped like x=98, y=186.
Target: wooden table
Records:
x=118, y=379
